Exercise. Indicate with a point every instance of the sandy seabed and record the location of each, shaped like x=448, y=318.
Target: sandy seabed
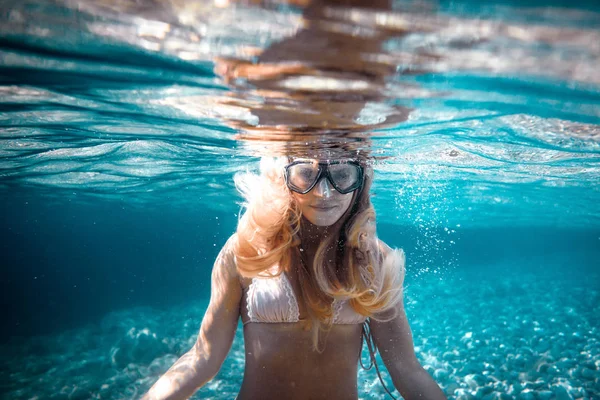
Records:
x=481, y=335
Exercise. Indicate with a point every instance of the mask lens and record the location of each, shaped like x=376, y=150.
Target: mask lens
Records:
x=302, y=176
x=345, y=176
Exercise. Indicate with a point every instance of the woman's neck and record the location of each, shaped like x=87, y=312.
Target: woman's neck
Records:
x=312, y=236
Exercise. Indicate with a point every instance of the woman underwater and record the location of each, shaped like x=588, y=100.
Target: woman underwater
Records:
x=310, y=280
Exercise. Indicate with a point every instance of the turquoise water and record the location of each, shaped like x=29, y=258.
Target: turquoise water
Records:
x=122, y=125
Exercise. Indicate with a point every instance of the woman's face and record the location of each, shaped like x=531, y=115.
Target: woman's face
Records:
x=323, y=205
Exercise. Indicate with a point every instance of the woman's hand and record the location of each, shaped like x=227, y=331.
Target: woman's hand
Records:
x=203, y=361
x=395, y=344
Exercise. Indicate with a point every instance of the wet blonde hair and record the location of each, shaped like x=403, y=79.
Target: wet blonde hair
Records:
x=268, y=234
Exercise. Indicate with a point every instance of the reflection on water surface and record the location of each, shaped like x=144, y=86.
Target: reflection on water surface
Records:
x=497, y=104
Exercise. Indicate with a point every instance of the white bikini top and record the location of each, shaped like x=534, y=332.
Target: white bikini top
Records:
x=272, y=300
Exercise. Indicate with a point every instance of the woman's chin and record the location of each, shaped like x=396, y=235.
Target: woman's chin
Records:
x=322, y=220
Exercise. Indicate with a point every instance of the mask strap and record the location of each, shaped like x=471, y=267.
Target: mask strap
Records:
x=368, y=337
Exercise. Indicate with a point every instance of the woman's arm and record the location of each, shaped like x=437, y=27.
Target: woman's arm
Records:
x=395, y=344
x=203, y=361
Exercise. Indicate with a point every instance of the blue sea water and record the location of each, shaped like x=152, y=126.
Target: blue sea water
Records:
x=122, y=126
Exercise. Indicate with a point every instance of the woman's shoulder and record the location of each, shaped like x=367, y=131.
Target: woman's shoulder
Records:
x=393, y=256
x=387, y=251
x=230, y=243
x=383, y=247
x=226, y=257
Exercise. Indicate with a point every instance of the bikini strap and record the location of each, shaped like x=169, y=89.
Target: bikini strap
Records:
x=368, y=337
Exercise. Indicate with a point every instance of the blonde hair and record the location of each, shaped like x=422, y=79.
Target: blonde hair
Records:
x=268, y=234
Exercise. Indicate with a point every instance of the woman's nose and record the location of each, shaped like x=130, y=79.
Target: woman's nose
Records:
x=323, y=188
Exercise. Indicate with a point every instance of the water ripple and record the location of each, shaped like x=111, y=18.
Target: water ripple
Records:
x=147, y=98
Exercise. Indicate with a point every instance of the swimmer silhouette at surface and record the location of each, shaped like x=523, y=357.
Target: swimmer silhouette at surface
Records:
x=305, y=270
